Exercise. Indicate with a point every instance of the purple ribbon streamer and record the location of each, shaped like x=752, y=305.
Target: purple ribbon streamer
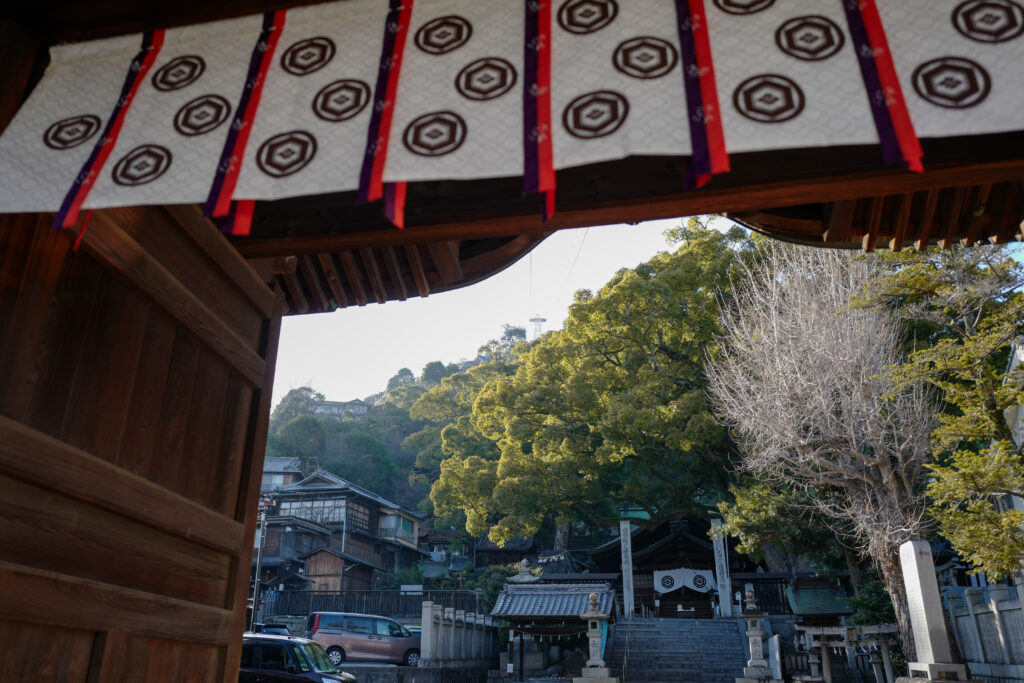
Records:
x=380, y=94
x=701, y=161
x=236, y=121
x=873, y=84
x=126, y=89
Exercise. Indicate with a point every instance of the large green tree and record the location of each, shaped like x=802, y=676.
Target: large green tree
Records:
x=293, y=404
x=610, y=410
x=969, y=303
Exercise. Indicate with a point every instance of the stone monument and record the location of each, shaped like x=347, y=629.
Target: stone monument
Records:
x=756, y=670
x=934, y=655
x=595, y=671
x=722, y=568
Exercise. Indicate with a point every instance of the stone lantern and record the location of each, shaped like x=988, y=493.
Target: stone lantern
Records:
x=757, y=666
x=595, y=671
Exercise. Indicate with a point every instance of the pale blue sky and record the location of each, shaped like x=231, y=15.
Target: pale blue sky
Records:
x=352, y=352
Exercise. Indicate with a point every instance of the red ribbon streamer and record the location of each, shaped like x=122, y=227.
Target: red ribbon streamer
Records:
x=709, y=93
x=109, y=141
x=223, y=205
x=909, y=143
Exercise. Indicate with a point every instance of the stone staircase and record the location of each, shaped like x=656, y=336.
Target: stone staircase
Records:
x=677, y=651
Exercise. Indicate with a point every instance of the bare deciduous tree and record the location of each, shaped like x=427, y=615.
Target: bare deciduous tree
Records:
x=802, y=381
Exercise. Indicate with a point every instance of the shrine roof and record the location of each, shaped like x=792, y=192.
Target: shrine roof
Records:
x=551, y=600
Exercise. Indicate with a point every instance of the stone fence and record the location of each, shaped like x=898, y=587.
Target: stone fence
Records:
x=989, y=629
x=454, y=639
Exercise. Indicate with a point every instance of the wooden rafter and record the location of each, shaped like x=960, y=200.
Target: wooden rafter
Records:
x=354, y=280
x=924, y=227
x=394, y=272
x=412, y=253
x=333, y=279
x=372, y=271
x=313, y=279
x=445, y=256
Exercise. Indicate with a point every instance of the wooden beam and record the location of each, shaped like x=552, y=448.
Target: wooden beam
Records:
x=901, y=221
x=924, y=226
x=249, y=491
x=394, y=272
x=122, y=254
x=1007, y=217
x=220, y=253
x=446, y=259
x=285, y=264
x=333, y=279
x=294, y=288
x=81, y=475
x=707, y=200
x=373, y=274
x=839, y=221
x=953, y=216
x=312, y=278
x=354, y=275
x=37, y=596
x=419, y=276
x=977, y=212
x=874, y=220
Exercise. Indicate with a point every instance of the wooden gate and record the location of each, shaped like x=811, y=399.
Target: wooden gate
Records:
x=135, y=381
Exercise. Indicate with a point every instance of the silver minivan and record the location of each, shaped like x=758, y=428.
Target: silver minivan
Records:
x=363, y=638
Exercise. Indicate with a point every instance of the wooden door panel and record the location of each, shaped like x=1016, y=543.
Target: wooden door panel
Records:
x=135, y=380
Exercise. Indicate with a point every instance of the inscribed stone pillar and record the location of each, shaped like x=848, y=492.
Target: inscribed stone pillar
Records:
x=934, y=654
x=626, y=545
x=722, y=568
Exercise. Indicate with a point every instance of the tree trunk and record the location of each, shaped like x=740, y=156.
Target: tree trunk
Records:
x=856, y=578
x=892, y=575
x=562, y=532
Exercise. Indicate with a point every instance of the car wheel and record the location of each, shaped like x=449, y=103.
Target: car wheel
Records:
x=335, y=655
x=412, y=658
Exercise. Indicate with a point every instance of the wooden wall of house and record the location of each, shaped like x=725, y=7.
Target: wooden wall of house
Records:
x=324, y=570
x=135, y=379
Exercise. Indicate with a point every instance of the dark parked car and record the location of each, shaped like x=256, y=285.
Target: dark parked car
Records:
x=285, y=659
x=273, y=629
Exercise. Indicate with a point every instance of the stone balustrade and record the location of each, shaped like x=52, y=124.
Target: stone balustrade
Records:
x=989, y=630
x=455, y=638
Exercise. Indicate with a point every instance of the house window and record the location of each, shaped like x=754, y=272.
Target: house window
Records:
x=271, y=480
x=358, y=517
x=321, y=511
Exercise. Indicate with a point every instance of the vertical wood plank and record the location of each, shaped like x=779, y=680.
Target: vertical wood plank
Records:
x=249, y=488
x=142, y=428
x=199, y=463
x=169, y=454
x=97, y=404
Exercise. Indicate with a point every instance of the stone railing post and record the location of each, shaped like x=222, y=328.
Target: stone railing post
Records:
x=999, y=593
x=460, y=635
x=826, y=660
x=437, y=633
x=449, y=632
x=426, y=633
x=973, y=596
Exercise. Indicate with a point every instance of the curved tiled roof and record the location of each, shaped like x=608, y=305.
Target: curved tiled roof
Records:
x=551, y=600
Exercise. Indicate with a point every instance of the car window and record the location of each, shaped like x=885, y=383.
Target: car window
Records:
x=332, y=621
x=299, y=658
x=318, y=658
x=273, y=657
x=394, y=630
x=359, y=625
x=381, y=628
x=247, y=655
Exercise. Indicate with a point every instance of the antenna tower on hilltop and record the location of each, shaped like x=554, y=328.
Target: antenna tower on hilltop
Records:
x=537, y=322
